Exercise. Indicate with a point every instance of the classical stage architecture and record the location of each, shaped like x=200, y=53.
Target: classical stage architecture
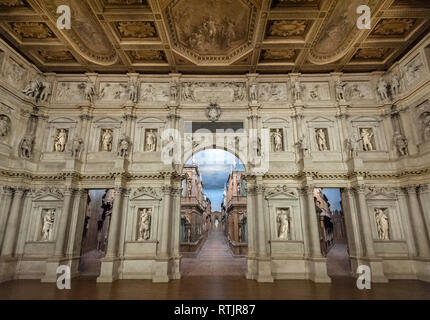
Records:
x=305, y=99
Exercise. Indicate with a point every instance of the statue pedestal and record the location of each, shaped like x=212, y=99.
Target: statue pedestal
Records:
x=121, y=163
x=73, y=164
x=129, y=103
x=299, y=103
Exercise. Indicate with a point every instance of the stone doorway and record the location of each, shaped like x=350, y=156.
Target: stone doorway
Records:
x=96, y=231
x=213, y=225
x=332, y=231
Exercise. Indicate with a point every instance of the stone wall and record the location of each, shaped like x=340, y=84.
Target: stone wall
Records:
x=368, y=134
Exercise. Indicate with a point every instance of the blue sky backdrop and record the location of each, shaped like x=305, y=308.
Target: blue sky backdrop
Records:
x=333, y=196
x=215, y=166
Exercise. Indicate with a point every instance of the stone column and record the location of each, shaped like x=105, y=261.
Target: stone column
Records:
x=164, y=246
x=12, y=226
x=303, y=209
x=406, y=221
x=62, y=225
x=115, y=224
x=261, y=226
x=312, y=218
x=418, y=224
x=365, y=223
x=352, y=224
x=5, y=202
x=123, y=223
x=425, y=203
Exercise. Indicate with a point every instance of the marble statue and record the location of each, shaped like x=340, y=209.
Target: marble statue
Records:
x=107, y=139
x=151, y=141
x=366, y=137
x=32, y=89
x=297, y=91
x=383, y=89
x=132, y=92
x=239, y=189
x=48, y=223
x=349, y=148
x=321, y=140
x=123, y=147
x=277, y=140
x=174, y=92
x=395, y=84
x=382, y=224
x=26, y=146
x=4, y=125
x=60, y=141
x=89, y=92
x=283, y=224
x=340, y=90
x=145, y=224
x=76, y=146
x=401, y=143
x=253, y=96
x=45, y=91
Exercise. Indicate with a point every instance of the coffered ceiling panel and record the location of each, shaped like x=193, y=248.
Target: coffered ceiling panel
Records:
x=213, y=36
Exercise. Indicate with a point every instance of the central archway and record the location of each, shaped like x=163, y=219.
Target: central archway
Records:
x=213, y=224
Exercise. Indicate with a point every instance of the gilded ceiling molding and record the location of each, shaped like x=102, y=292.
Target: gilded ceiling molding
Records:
x=86, y=35
x=339, y=33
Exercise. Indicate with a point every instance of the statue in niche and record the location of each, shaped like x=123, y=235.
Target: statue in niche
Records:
x=253, y=95
x=4, y=125
x=107, y=139
x=283, y=224
x=145, y=224
x=26, y=146
x=366, y=137
x=151, y=140
x=32, y=88
x=340, y=90
x=297, y=91
x=174, y=92
x=383, y=89
x=395, y=84
x=60, y=140
x=401, y=143
x=239, y=189
x=123, y=147
x=132, y=92
x=76, y=146
x=45, y=91
x=48, y=223
x=321, y=139
x=89, y=91
x=277, y=140
x=382, y=224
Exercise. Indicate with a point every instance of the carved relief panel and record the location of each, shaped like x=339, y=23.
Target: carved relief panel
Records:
x=155, y=92
x=69, y=92
x=14, y=73
x=272, y=92
x=113, y=91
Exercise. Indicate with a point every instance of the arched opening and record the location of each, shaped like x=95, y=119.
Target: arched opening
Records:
x=213, y=227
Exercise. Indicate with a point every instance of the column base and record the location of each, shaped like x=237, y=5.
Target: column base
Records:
x=109, y=270
x=7, y=268
x=318, y=270
x=162, y=270
x=264, y=270
x=251, y=267
x=422, y=268
x=376, y=267
x=52, y=265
